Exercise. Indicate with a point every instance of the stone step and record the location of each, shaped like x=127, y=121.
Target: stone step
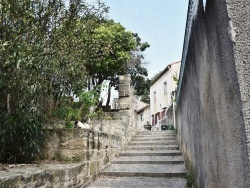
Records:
x=149, y=160
x=146, y=170
x=138, y=182
x=168, y=147
x=156, y=132
x=151, y=153
x=153, y=136
x=153, y=139
x=152, y=143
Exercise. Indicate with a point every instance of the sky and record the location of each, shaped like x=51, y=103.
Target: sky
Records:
x=161, y=23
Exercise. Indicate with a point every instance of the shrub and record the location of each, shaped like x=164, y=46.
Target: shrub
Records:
x=22, y=137
x=66, y=113
x=69, y=125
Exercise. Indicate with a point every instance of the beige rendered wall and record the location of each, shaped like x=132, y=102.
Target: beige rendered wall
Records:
x=163, y=99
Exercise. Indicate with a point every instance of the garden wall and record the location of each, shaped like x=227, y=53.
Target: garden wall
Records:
x=73, y=157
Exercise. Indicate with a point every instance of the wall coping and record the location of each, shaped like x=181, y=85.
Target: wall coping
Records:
x=191, y=14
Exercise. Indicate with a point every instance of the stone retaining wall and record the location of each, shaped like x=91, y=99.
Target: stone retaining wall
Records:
x=82, y=145
x=76, y=157
x=50, y=175
x=74, y=145
x=82, y=153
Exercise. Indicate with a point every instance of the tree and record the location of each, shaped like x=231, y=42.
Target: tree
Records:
x=43, y=48
x=110, y=52
x=142, y=86
x=124, y=55
x=135, y=66
x=137, y=70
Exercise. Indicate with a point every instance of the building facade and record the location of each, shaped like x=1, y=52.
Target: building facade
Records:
x=162, y=92
x=143, y=114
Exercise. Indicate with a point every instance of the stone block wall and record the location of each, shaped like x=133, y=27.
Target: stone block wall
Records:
x=79, y=154
x=124, y=122
x=45, y=175
x=74, y=157
x=213, y=104
x=82, y=145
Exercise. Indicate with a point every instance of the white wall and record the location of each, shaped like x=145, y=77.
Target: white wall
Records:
x=163, y=99
x=143, y=117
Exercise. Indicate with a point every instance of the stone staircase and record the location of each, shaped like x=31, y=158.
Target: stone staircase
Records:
x=151, y=159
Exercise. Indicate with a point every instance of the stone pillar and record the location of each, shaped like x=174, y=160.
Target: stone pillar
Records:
x=125, y=92
x=127, y=105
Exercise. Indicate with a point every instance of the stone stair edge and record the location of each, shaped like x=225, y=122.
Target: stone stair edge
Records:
x=144, y=174
x=160, y=142
x=148, y=154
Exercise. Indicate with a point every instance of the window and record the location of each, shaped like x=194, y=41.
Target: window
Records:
x=165, y=87
x=142, y=119
x=155, y=96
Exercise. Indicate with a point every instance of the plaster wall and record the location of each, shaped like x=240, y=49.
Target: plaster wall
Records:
x=239, y=14
x=175, y=70
x=143, y=118
x=212, y=111
x=163, y=97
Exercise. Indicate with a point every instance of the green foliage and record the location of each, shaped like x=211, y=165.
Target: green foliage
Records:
x=77, y=111
x=108, y=118
x=190, y=180
x=22, y=136
x=113, y=46
x=99, y=114
x=43, y=50
x=88, y=99
x=69, y=125
x=176, y=79
x=119, y=53
x=66, y=113
x=142, y=86
x=49, y=50
x=170, y=127
x=135, y=67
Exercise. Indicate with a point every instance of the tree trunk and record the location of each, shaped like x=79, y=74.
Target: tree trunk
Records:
x=108, y=99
